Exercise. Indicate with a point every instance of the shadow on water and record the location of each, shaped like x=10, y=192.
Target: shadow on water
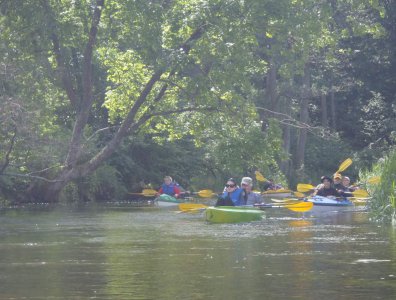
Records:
x=151, y=253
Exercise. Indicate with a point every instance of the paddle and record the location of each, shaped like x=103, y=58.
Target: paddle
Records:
x=298, y=207
x=205, y=193
x=260, y=177
x=360, y=193
x=344, y=165
x=285, y=200
x=371, y=180
x=303, y=187
x=146, y=193
x=299, y=195
x=191, y=206
x=374, y=180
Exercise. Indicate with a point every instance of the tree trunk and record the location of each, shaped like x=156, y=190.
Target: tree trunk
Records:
x=285, y=164
x=270, y=95
x=333, y=110
x=323, y=104
x=304, y=117
x=72, y=168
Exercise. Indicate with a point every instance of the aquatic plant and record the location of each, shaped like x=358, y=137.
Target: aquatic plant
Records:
x=383, y=203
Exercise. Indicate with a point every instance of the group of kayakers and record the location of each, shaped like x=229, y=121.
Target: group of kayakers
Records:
x=235, y=195
x=339, y=186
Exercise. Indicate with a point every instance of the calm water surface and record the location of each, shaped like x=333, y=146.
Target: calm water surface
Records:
x=159, y=254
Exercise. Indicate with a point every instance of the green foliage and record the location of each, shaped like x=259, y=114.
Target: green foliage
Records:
x=142, y=162
x=104, y=185
x=214, y=80
x=238, y=149
x=383, y=205
x=324, y=155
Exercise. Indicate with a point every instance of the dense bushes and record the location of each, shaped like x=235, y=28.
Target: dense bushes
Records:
x=383, y=203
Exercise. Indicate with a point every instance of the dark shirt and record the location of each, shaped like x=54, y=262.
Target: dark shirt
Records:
x=338, y=186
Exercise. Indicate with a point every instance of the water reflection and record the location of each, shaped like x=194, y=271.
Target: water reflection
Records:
x=157, y=254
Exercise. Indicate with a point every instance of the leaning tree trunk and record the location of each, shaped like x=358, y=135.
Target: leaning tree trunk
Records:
x=304, y=118
x=73, y=169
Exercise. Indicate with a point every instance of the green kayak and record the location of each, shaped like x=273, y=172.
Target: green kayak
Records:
x=231, y=214
x=165, y=200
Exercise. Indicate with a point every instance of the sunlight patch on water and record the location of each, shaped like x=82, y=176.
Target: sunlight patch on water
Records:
x=370, y=260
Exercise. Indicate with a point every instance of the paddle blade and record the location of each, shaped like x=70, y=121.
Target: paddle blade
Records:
x=259, y=176
x=374, y=180
x=299, y=195
x=146, y=193
x=285, y=200
x=303, y=187
x=300, y=207
x=344, y=165
x=149, y=192
x=360, y=193
x=191, y=206
x=205, y=193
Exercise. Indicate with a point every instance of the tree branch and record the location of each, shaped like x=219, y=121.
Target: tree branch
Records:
x=86, y=104
x=29, y=176
x=60, y=61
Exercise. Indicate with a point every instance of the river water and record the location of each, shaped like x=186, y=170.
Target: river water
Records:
x=151, y=253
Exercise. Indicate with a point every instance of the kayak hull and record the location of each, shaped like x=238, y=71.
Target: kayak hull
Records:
x=167, y=201
x=324, y=201
x=225, y=214
x=327, y=206
x=277, y=194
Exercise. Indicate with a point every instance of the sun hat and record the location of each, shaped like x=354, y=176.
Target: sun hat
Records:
x=247, y=180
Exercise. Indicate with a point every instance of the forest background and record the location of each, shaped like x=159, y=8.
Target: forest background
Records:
x=98, y=97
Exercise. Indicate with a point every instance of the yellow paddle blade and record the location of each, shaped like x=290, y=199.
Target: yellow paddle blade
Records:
x=191, y=206
x=374, y=180
x=359, y=201
x=299, y=195
x=303, y=187
x=149, y=192
x=300, y=207
x=344, y=165
x=205, y=193
x=146, y=193
x=286, y=200
x=259, y=176
x=360, y=193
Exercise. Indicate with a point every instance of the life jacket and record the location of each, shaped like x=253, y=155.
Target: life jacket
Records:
x=168, y=189
x=237, y=197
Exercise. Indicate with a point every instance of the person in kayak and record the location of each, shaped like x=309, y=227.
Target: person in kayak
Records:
x=250, y=197
x=346, y=185
x=326, y=189
x=270, y=185
x=337, y=177
x=169, y=188
x=233, y=195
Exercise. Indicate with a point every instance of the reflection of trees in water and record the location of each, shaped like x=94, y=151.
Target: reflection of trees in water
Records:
x=300, y=235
